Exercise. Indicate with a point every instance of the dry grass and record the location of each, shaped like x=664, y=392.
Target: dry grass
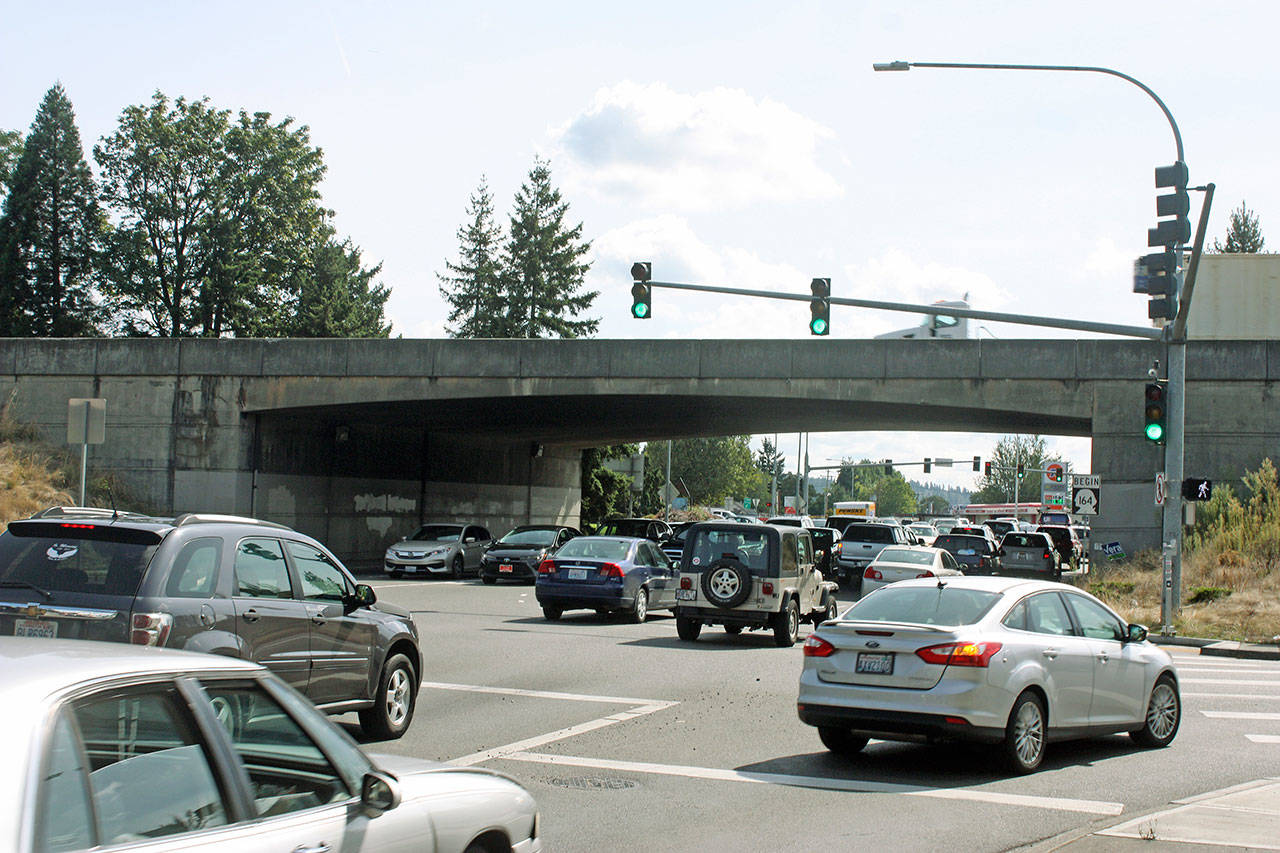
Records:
x=29, y=480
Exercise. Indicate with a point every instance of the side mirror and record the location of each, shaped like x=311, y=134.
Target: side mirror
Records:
x=364, y=596
x=471, y=540
x=379, y=792
x=1137, y=633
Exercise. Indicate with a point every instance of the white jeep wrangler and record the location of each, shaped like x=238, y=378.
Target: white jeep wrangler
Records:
x=750, y=576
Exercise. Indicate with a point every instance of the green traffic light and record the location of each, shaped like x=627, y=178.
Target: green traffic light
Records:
x=639, y=310
x=818, y=326
x=1155, y=432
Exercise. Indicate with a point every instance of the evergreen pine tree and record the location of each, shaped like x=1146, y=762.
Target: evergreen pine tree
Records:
x=1244, y=234
x=473, y=286
x=49, y=231
x=338, y=297
x=543, y=270
x=10, y=151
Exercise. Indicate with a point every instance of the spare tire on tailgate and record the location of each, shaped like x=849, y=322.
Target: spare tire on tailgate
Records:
x=726, y=582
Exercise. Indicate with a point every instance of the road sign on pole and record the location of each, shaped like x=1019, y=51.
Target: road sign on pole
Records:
x=1086, y=494
x=86, y=425
x=1162, y=488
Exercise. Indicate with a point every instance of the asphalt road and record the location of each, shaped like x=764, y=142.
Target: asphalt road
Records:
x=632, y=740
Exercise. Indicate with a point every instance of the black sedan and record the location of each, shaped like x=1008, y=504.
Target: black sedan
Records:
x=607, y=574
x=517, y=554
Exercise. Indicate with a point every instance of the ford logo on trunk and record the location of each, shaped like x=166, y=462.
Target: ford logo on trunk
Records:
x=873, y=644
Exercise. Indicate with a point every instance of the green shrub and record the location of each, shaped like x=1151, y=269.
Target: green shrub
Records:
x=1205, y=594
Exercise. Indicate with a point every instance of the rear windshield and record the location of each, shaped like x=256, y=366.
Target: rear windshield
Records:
x=623, y=527
x=909, y=556
x=954, y=542
x=595, y=548
x=868, y=533
x=69, y=558
x=1023, y=540
x=926, y=605
x=750, y=547
x=1000, y=527
x=539, y=538
x=1057, y=534
x=437, y=533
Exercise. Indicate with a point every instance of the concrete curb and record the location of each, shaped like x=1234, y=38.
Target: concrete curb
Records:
x=1221, y=648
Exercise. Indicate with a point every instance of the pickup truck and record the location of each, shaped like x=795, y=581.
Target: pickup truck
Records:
x=860, y=545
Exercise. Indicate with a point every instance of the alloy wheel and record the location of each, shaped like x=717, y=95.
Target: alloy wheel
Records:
x=398, y=697
x=1162, y=712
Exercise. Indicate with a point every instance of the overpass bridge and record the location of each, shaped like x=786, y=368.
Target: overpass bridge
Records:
x=355, y=441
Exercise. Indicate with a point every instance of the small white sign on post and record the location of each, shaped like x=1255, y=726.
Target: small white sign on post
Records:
x=1162, y=488
x=86, y=425
x=1086, y=494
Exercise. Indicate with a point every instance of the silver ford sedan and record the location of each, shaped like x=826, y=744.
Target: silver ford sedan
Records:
x=155, y=750
x=1015, y=663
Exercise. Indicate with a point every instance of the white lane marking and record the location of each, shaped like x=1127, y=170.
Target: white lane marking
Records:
x=1232, y=695
x=559, y=734
x=1264, y=738
x=543, y=694
x=1199, y=669
x=1241, y=682
x=1056, y=803
x=1240, y=715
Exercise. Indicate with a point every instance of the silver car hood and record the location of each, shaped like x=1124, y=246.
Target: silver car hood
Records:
x=401, y=766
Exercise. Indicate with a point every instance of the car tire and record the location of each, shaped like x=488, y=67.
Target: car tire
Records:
x=488, y=581
x=688, y=629
x=1024, y=734
x=552, y=613
x=831, y=612
x=395, y=576
x=394, y=701
x=786, y=625
x=1164, y=715
x=726, y=583
x=640, y=610
x=456, y=567
x=733, y=630
x=842, y=741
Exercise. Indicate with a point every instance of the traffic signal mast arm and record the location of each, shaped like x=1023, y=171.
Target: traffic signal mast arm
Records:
x=970, y=313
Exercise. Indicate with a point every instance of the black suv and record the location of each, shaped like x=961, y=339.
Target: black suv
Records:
x=214, y=583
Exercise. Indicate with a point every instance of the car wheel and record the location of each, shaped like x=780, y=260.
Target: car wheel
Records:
x=841, y=741
x=455, y=569
x=726, y=583
x=1164, y=714
x=688, y=629
x=229, y=713
x=551, y=613
x=733, y=630
x=832, y=612
x=488, y=581
x=640, y=610
x=394, y=702
x=1025, y=733
x=396, y=575
x=786, y=625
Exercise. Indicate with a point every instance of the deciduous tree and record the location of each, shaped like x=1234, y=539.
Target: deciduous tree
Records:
x=1032, y=453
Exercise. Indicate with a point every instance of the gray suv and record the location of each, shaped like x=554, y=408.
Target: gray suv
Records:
x=214, y=583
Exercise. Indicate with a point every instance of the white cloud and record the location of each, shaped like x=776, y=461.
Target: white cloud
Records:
x=707, y=151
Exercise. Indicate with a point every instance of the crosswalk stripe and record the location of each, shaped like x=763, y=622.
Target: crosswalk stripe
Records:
x=1264, y=738
x=1231, y=695
x=1240, y=715
x=1243, y=682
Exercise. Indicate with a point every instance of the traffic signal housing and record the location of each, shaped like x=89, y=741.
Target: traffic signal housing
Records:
x=1157, y=276
x=928, y=465
x=977, y=463
x=820, y=306
x=1022, y=471
x=888, y=466
x=1177, y=230
x=1197, y=489
x=986, y=470
x=641, y=291
x=1155, y=411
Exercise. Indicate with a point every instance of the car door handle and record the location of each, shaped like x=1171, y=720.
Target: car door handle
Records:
x=317, y=616
x=314, y=848
x=1102, y=656
x=250, y=615
x=1050, y=653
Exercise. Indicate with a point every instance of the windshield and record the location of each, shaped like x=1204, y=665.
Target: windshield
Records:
x=595, y=548
x=437, y=533
x=638, y=527
x=538, y=538
x=905, y=555
x=928, y=605
x=58, y=560
x=749, y=547
x=955, y=542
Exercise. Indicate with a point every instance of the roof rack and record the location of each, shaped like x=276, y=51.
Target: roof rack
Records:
x=214, y=518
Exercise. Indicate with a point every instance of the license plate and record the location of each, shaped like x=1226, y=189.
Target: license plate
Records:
x=966, y=552
x=875, y=663
x=577, y=574
x=686, y=595
x=505, y=567
x=35, y=628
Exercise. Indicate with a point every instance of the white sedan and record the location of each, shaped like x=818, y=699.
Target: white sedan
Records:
x=156, y=750
x=899, y=563
x=1018, y=663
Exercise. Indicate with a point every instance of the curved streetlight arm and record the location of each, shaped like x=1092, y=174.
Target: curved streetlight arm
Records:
x=900, y=65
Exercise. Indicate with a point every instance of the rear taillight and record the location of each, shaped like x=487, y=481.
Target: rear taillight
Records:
x=925, y=575
x=873, y=574
x=150, y=629
x=982, y=561
x=816, y=647
x=686, y=583
x=839, y=548
x=959, y=654
x=1048, y=556
x=77, y=526
x=547, y=567
x=611, y=570
x=766, y=588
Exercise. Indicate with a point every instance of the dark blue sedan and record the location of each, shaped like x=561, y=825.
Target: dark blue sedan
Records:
x=607, y=574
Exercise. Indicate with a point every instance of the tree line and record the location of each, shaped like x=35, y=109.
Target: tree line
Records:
x=200, y=223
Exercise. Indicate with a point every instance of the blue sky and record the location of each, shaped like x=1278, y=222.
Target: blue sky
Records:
x=747, y=144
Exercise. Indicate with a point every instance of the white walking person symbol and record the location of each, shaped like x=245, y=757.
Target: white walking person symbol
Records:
x=1204, y=489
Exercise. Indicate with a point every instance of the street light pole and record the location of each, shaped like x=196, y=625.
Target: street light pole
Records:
x=1174, y=338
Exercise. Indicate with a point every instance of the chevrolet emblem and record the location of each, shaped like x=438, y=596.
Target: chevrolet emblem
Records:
x=33, y=610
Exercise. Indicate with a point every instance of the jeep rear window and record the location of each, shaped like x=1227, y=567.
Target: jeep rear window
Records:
x=83, y=558
x=747, y=546
x=923, y=605
x=868, y=533
x=638, y=529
